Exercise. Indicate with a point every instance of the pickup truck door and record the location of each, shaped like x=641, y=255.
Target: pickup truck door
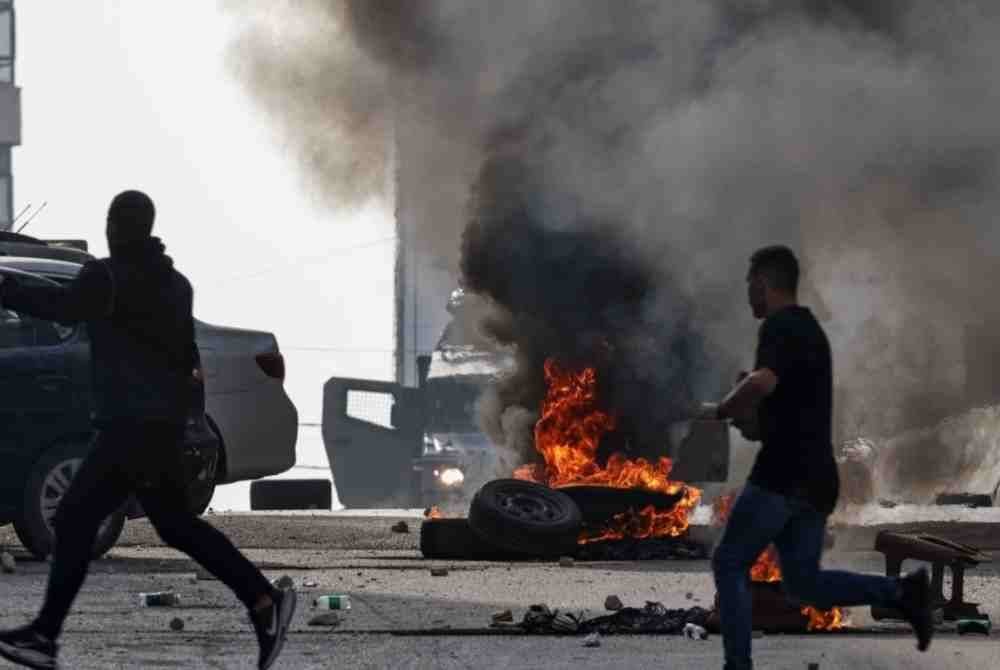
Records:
x=372, y=431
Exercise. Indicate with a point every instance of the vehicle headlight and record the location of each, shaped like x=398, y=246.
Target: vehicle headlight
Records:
x=450, y=476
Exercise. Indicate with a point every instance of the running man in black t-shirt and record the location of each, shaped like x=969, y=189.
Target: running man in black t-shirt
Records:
x=786, y=402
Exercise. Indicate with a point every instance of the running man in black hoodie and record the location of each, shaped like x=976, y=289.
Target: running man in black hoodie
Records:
x=138, y=311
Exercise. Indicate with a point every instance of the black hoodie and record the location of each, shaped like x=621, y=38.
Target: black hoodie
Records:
x=138, y=311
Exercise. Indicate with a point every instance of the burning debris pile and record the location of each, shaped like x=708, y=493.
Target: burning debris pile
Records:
x=569, y=435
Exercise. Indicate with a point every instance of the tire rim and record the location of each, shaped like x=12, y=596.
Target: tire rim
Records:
x=54, y=488
x=528, y=507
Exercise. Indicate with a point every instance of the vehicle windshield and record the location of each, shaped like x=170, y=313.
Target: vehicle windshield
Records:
x=451, y=404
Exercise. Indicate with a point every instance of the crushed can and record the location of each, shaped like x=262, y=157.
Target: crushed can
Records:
x=159, y=599
x=980, y=626
x=333, y=602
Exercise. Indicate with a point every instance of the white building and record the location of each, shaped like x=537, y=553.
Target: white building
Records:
x=10, y=112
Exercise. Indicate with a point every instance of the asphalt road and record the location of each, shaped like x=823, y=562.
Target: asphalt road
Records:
x=403, y=617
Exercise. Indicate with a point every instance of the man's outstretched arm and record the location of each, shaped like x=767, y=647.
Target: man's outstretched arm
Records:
x=87, y=297
x=747, y=394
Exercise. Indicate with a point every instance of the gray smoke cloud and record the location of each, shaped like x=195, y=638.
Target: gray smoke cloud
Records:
x=862, y=134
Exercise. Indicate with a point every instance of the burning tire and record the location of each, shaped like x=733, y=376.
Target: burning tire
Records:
x=526, y=518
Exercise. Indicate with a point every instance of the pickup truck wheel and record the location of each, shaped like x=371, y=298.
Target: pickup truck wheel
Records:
x=526, y=518
x=47, y=484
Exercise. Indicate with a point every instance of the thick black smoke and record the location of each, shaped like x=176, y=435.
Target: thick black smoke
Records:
x=602, y=170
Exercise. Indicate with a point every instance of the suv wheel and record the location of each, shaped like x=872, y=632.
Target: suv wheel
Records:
x=47, y=484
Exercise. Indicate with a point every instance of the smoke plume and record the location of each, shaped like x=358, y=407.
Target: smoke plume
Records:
x=602, y=170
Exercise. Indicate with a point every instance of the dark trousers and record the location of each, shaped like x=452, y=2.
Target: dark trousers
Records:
x=145, y=459
x=759, y=518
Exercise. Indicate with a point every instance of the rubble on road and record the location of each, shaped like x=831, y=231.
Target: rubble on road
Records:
x=592, y=640
x=401, y=527
x=284, y=582
x=566, y=561
x=177, y=624
x=505, y=616
x=652, y=618
x=693, y=631
x=309, y=584
x=7, y=563
x=613, y=603
x=439, y=572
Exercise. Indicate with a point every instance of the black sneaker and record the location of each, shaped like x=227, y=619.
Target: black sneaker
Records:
x=271, y=625
x=916, y=606
x=25, y=646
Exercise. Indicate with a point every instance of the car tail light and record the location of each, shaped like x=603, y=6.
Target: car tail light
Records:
x=273, y=364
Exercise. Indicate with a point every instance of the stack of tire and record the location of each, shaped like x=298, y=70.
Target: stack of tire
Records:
x=509, y=519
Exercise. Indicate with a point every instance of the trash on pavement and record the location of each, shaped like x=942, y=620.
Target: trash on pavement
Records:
x=327, y=619
x=309, y=584
x=592, y=640
x=401, y=527
x=652, y=618
x=439, y=572
x=284, y=582
x=566, y=562
x=333, y=602
x=887, y=504
x=159, y=599
x=505, y=616
x=813, y=666
x=8, y=563
x=613, y=603
x=693, y=631
x=980, y=626
x=177, y=624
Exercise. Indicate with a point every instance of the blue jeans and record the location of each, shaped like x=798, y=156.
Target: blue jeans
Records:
x=759, y=518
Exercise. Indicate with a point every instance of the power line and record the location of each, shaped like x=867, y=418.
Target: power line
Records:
x=310, y=260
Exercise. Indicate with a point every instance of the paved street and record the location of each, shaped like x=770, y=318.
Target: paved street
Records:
x=405, y=618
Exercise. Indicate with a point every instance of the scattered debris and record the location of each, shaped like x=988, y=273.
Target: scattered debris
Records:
x=284, y=583
x=887, y=504
x=653, y=618
x=566, y=561
x=333, y=602
x=592, y=640
x=8, y=564
x=309, y=584
x=968, y=499
x=327, y=619
x=688, y=596
x=757, y=634
x=813, y=666
x=439, y=572
x=177, y=624
x=613, y=603
x=505, y=616
x=401, y=527
x=693, y=631
x=979, y=626
x=159, y=599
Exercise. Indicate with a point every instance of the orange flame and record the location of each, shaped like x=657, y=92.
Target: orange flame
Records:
x=568, y=435
x=767, y=568
x=433, y=512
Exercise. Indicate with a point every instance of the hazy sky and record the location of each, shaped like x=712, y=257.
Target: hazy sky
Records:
x=125, y=94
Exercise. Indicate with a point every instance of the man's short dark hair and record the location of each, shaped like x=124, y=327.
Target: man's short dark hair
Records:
x=778, y=265
x=133, y=213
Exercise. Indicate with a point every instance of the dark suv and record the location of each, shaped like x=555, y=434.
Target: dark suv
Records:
x=45, y=426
